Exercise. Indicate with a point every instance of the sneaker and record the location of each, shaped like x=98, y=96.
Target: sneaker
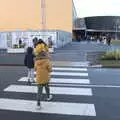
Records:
x=38, y=107
x=50, y=98
x=29, y=83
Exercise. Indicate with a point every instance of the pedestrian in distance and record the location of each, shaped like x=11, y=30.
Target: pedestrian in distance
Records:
x=108, y=40
x=29, y=63
x=35, y=40
x=43, y=68
x=20, y=43
x=50, y=42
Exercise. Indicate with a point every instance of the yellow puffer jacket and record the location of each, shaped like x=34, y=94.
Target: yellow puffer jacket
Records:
x=43, y=68
x=39, y=48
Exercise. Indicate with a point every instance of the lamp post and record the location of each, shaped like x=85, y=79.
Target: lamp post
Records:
x=43, y=17
x=116, y=28
x=116, y=31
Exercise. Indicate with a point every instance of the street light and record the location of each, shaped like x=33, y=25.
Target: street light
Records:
x=116, y=31
x=43, y=16
x=117, y=22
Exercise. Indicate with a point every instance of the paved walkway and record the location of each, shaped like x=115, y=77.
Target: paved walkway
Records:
x=78, y=51
x=73, y=52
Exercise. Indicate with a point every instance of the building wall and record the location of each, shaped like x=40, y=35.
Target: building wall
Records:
x=103, y=23
x=26, y=15
x=74, y=15
x=59, y=14
x=19, y=14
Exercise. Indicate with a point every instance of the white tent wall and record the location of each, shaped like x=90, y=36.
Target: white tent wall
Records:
x=10, y=39
x=3, y=40
x=64, y=38
x=45, y=35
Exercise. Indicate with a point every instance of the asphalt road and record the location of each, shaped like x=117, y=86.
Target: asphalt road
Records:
x=105, y=97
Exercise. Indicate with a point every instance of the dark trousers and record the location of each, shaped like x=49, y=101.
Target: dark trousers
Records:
x=40, y=90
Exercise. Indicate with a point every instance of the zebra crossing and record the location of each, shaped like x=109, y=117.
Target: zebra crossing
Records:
x=61, y=76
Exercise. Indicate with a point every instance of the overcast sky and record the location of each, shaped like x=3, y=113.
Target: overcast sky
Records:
x=87, y=8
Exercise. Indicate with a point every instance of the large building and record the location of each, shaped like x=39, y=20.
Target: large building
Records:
x=98, y=25
x=25, y=18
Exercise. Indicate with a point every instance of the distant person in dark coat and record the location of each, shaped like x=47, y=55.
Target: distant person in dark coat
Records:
x=20, y=43
x=29, y=63
x=109, y=40
x=35, y=40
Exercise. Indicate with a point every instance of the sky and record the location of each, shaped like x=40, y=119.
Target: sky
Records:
x=86, y=8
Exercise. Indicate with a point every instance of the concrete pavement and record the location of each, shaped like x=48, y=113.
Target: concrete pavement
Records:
x=75, y=51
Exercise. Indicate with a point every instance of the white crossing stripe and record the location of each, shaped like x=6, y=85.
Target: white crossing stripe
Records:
x=71, y=64
x=61, y=80
x=68, y=73
x=48, y=107
x=70, y=69
x=90, y=85
x=53, y=90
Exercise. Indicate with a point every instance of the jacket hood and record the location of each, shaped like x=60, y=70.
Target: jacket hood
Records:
x=42, y=55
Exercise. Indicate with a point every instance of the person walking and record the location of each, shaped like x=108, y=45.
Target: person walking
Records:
x=29, y=63
x=43, y=68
